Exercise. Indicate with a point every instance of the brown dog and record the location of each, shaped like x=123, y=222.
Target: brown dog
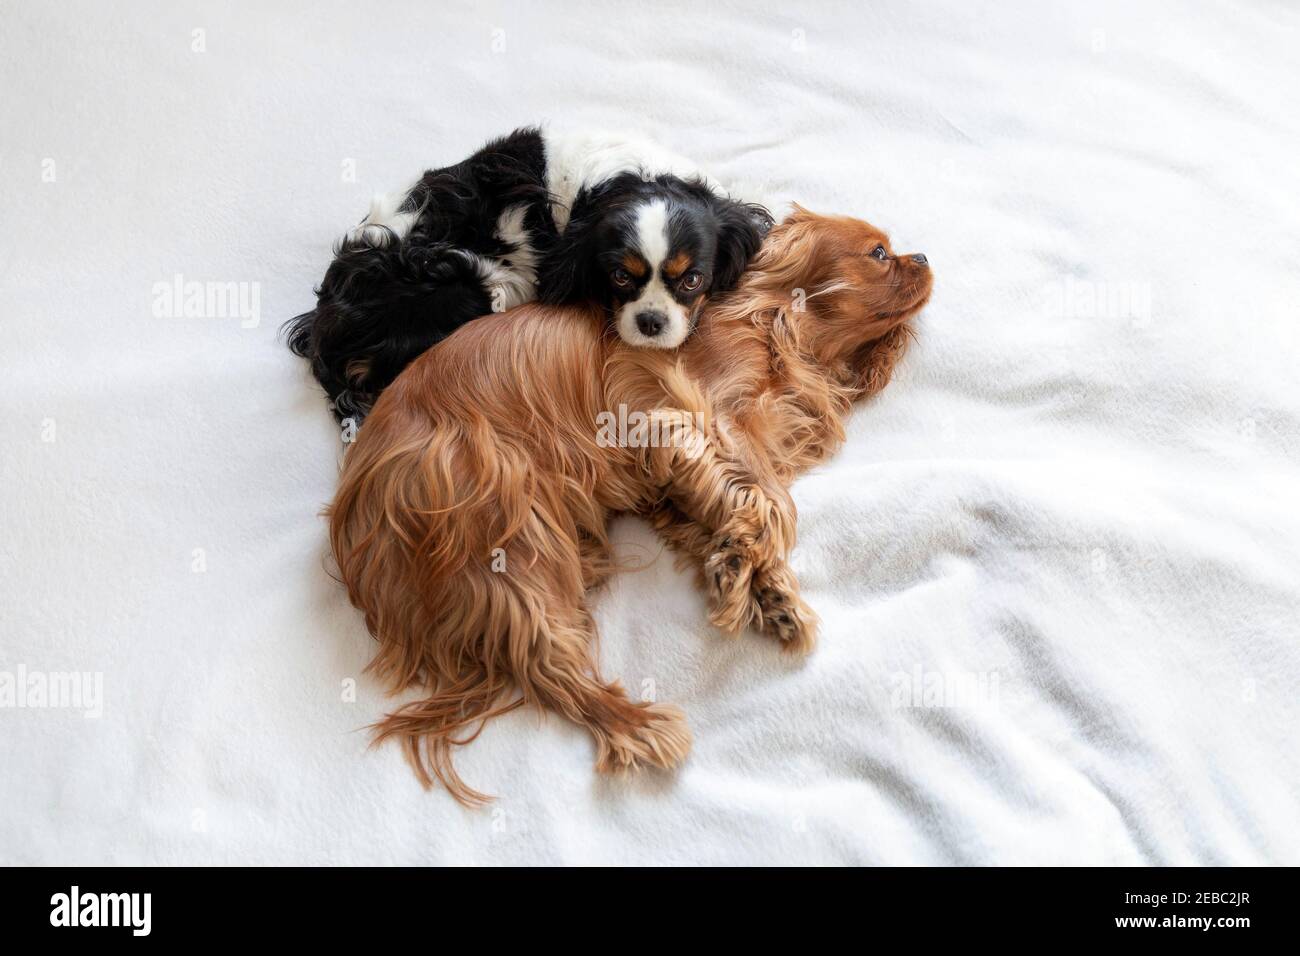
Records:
x=471, y=517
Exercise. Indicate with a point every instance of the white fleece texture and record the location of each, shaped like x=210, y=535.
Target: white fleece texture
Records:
x=1057, y=562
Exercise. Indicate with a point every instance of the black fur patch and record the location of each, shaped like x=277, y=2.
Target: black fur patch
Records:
x=379, y=308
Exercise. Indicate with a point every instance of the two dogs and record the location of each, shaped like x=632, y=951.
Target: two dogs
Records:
x=471, y=517
x=567, y=218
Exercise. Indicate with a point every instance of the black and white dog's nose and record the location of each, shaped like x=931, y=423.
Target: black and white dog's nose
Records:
x=651, y=323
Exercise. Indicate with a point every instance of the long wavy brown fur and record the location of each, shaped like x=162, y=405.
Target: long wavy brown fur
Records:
x=471, y=517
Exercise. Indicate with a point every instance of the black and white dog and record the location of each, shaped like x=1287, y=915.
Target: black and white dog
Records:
x=532, y=215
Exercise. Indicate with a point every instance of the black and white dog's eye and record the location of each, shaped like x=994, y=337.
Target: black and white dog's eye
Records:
x=621, y=278
x=691, y=281
x=880, y=253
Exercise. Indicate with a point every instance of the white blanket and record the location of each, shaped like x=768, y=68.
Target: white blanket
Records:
x=1056, y=563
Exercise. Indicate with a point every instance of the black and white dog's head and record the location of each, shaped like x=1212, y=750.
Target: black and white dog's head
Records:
x=651, y=249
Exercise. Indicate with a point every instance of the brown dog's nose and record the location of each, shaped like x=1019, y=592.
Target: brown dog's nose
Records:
x=920, y=259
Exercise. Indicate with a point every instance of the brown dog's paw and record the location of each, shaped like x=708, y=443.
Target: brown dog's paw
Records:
x=659, y=738
x=782, y=613
x=728, y=573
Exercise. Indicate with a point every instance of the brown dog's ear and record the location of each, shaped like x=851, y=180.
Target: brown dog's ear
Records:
x=799, y=214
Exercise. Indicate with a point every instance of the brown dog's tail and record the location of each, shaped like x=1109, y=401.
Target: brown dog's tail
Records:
x=452, y=716
x=416, y=577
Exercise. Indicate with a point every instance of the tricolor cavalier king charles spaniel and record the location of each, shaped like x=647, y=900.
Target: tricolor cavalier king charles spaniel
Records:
x=588, y=218
x=472, y=515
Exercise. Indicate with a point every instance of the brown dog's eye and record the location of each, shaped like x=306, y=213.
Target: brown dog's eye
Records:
x=621, y=278
x=691, y=281
x=880, y=253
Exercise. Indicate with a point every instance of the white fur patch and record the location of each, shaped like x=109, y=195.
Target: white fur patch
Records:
x=514, y=284
x=577, y=160
x=384, y=215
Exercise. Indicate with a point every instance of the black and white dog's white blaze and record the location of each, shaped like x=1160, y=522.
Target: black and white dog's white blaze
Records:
x=589, y=217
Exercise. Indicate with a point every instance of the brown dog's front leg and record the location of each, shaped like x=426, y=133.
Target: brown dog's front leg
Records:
x=873, y=366
x=722, y=514
x=712, y=485
x=771, y=601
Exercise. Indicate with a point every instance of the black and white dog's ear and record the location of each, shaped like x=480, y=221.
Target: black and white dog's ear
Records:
x=564, y=274
x=741, y=228
x=568, y=271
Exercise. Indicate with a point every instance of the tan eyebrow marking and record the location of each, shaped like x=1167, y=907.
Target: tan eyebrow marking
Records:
x=635, y=265
x=678, y=264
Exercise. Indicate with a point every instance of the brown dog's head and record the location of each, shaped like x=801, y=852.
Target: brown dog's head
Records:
x=846, y=286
